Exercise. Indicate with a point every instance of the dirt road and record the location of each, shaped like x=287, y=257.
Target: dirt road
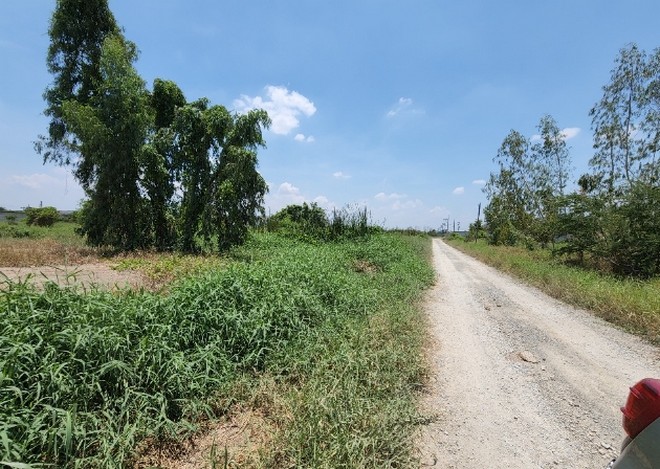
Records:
x=521, y=380
x=84, y=275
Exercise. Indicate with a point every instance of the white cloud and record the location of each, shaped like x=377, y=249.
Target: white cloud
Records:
x=303, y=138
x=288, y=194
x=458, y=191
x=401, y=105
x=479, y=182
x=567, y=134
x=570, y=132
x=323, y=202
x=286, y=188
x=55, y=187
x=382, y=196
x=283, y=106
x=340, y=175
x=396, y=201
x=406, y=204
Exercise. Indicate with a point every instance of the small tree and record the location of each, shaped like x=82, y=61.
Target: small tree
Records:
x=307, y=221
x=45, y=216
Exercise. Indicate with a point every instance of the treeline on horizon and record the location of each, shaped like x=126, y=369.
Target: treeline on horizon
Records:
x=612, y=222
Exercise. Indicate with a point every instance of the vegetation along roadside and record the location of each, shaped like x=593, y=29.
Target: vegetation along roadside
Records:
x=331, y=329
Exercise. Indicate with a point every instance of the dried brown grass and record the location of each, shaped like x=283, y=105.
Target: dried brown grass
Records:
x=30, y=252
x=235, y=441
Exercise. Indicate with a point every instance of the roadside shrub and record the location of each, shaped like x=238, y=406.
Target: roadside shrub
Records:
x=13, y=230
x=621, y=235
x=45, y=216
x=309, y=222
x=306, y=222
x=635, y=249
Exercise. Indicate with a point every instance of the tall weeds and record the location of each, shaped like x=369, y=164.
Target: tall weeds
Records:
x=84, y=377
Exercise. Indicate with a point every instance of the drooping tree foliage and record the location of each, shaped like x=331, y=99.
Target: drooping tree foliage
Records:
x=214, y=160
x=612, y=220
x=158, y=171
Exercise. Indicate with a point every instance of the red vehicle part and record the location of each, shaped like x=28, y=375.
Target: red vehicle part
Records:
x=642, y=406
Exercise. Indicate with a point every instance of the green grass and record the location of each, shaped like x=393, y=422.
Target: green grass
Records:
x=351, y=389
x=631, y=304
x=86, y=377
x=61, y=231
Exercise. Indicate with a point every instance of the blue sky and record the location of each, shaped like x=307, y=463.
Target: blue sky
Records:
x=397, y=105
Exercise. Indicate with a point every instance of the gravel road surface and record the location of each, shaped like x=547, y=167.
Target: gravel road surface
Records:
x=520, y=380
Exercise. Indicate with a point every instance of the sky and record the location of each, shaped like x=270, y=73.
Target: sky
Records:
x=396, y=105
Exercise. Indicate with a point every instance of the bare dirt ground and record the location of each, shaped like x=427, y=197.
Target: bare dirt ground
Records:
x=520, y=380
x=83, y=276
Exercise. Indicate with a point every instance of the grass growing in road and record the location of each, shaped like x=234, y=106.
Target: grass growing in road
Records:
x=84, y=378
x=631, y=304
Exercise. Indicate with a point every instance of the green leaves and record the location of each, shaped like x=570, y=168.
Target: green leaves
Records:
x=625, y=122
x=77, y=31
x=158, y=171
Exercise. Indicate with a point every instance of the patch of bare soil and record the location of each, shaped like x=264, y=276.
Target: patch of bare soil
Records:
x=233, y=442
x=82, y=276
x=518, y=379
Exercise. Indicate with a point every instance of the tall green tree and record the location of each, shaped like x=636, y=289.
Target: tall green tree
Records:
x=157, y=170
x=617, y=121
x=159, y=165
x=77, y=31
x=552, y=157
x=523, y=193
x=238, y=188
x=650, y=126
x=111, y=128
x=509, y=212
x=215, y=156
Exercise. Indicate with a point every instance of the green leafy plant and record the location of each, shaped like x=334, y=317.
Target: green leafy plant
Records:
x=45, y=216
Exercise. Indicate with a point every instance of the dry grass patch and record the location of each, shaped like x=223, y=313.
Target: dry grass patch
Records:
x=235, y=441
x=29, y=252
